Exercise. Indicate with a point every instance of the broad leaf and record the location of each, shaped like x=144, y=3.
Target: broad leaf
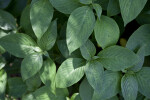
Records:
x=86, y=1
x=88, y=50
x=131, y=9
x=140, y=38
x=75, y=96
x=144, y=18
x=48, y=72
x=98, y=10
x=65, y=6
x=117, y=58
x=79, y=27
x=94, y=72
x=69, y=72
x=106, y=32
x=16, y=87
x=111, y=86
x=85, y=90
x=3, y=81
x=143, y=81
x=31, y=65
x=4, y=3
x=114, y=98
x=33, y=83
x=25, y=22
x=48, y=39
x=113, y=8
x=61, y=93
x=7, y=21
x=103, y=3
x=19, y=45
x=44, y=93
x=28, y=97
x=129, y=87
x=138, y=66
x=41, y=14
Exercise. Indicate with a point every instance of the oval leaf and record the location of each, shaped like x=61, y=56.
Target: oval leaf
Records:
x=31, y=65
x=117, y=58
x=70, y=72
x=131, y=9
x=19, y=45
x=41, y=14
x=79, y=27
x=106, y=32
x=129, y=87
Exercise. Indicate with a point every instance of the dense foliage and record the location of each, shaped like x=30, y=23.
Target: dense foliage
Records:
x=75, y=50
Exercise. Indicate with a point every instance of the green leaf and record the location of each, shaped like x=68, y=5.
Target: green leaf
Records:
x=28, y=97
x=4, y=3
x=44, y=93
x=16, y=87
x=19, y=45
x=86, y=1
x=33, y=83
x=98, y=10
x=106, y=32
x=61, y=93
x=48, y=72
x=129, y=87
x=88, y=50
x=69, y=72
x=26, y=23
x=94, y=72
x=114, y=98
x=41, y=14
x=103, y=3
x=7, y=21
x=3, y=81
x=75, y=96
x=85, y=90
x=31, y=65
x=140, y=38
x=131, y=9
x=143, y=81
x=117, y=58
x=65, y=6
x=48, y=39
x=111, y=86
x=79, y=27
x=113, y=8
x=2, y=62
x=138, y=66
x=144, y=18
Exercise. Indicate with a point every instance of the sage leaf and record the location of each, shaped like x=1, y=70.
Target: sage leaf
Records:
x=79, y=27
x=69, y=72
x=106, y=32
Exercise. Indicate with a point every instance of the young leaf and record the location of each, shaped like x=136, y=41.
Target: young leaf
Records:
x=48, y=39
x=75, y=96
x=138, y=66
x=41, y=14
x=143, y=81
x=113, y=8
x=85, y=90
x=16, y=87
x=44, y=93
x=117, y=58
x=140, y=38
x=79, y=27
x=88, y=50
x=106, y=32
x=33, y=83
x=19, y=45
x=98, y=9
x=31, y=65
x=3, y=81
x=111, y=86
x=25, y=22
x=86, y=1
x=94, y=72
x=48, y=72
x=7, y=21
x=65, y=6
x=129, y=87
x=70, y=72
x=131, y=9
